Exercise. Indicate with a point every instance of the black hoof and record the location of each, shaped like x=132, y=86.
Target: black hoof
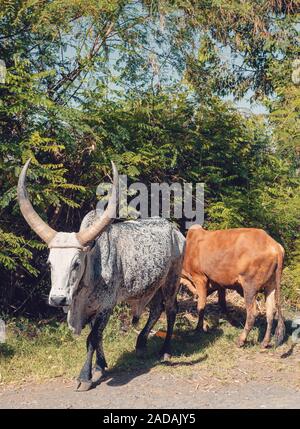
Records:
x=201, y=329
x=141, y=353
x=83, y=386
x=135, y=321
x=234, y=323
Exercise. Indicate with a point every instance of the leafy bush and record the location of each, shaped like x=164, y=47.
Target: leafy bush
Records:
x=143, y=83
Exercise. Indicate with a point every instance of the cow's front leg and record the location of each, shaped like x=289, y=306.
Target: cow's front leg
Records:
x=101, y=365
x=85, y=376
x=94, y=342
x=201, y=282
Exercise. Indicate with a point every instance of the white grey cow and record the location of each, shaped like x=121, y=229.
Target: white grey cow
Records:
x=138, y=262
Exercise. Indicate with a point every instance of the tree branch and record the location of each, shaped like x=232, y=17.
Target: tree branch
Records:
x=72, y=76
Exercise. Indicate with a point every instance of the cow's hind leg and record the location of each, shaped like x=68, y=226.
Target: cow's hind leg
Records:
x=171, y=311
x=249, y=295
x=156, y=307
x=94, y=342
x=270, y=312
x=222, y=299
x=170, y=290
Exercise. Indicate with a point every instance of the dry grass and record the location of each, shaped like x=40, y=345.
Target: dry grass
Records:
x=40, y=351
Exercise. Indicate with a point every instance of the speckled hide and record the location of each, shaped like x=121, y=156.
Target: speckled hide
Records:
x=129, y=262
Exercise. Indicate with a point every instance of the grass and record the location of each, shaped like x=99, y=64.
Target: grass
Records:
x=37, y=351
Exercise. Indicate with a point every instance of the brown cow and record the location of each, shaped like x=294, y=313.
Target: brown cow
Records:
x=244, y=259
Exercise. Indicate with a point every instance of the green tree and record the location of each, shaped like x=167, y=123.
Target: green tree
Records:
x=141, y=82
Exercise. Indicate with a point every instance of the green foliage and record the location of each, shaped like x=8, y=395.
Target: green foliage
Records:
x=14, y=253
x=140, y=82
x=247, y=45
x=291, y=277
x=285, y=117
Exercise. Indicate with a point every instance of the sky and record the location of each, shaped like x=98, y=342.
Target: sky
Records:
x=170, y=73
x=245, y=105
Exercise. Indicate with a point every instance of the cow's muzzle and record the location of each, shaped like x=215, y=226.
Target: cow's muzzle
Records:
x=58, y=301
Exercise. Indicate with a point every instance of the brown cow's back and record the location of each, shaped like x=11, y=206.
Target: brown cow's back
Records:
x=227, y=256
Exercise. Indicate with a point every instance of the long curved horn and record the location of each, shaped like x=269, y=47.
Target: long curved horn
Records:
x=32, y=218
x=107, y=217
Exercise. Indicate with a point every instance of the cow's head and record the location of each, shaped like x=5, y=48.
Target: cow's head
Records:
x=67, y=250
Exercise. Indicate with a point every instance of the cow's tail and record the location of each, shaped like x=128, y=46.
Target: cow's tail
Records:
x=187, y=280
x=280, y=329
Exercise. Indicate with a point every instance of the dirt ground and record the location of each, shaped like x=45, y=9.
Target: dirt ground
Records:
x=258, y=379
x=154, y=390
x=267, y=380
